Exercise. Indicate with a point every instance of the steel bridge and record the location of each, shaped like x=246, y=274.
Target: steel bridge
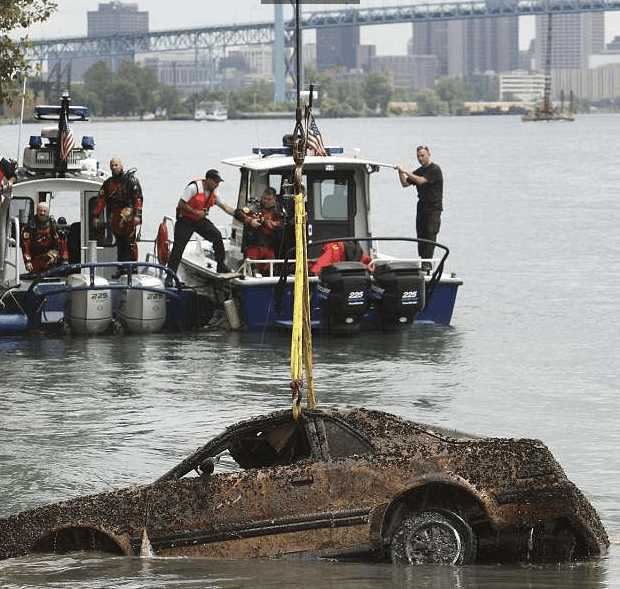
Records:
x=154, y=42
x=452, y=11
x=257, y=33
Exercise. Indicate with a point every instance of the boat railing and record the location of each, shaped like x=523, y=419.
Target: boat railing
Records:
x=262, y=268
x=11, y=265
x=91, y=269
x=250, y=267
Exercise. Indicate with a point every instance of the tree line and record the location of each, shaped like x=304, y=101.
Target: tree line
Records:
x=135, y=90
x=15, y=17
x=132, y=90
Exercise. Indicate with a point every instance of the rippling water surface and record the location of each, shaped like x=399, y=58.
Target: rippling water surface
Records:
x=532, y=214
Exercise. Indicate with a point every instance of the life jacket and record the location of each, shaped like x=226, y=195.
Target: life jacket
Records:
x=200, y=202
x=338, y=251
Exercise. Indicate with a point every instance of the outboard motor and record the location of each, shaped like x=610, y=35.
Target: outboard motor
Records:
x=400, y=291
x=142, y=311
x=344, y=296
x=90, y=311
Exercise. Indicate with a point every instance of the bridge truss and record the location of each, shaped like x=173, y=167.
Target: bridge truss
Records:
x=238, y=35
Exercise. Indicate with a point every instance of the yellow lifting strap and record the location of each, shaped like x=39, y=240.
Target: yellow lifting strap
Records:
x=301, y=340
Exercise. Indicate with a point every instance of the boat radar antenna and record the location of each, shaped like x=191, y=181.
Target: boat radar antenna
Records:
x=301, y=337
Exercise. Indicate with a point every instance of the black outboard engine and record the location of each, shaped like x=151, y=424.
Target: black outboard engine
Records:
x=344, y=296
x=400, y=292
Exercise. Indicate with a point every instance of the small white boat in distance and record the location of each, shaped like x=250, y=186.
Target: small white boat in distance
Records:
x=213, y=111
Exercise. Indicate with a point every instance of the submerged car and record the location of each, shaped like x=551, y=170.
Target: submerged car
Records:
x=337, y=483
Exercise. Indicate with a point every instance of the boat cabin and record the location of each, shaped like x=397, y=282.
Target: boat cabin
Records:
x=71, y=200
x=337, y=192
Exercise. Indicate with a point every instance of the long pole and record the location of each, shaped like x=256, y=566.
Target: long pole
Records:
x=21, y=122
x=547, y=96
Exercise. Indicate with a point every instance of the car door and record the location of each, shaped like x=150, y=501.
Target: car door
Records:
x=272, y=497
x=356, y=486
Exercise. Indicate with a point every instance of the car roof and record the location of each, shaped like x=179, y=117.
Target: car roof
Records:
x=384, y=432
x=374, y=424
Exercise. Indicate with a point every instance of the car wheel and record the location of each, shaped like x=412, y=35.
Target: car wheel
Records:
x=433, y=537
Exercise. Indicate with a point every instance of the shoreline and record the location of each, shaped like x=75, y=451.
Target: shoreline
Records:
x=290, y=115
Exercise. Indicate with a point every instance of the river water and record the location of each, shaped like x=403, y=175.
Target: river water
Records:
x=531, y=218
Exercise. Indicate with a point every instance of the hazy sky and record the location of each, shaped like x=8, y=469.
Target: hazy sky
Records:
x=70, y=19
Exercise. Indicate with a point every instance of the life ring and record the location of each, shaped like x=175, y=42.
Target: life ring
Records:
x=161, y=242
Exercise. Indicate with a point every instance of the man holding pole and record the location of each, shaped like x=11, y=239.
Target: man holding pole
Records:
x=428, y=181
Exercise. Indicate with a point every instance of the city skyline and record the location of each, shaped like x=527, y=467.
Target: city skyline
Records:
x=70, y=20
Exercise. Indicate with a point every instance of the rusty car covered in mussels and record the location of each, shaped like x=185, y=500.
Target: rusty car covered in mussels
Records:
x=338, y=483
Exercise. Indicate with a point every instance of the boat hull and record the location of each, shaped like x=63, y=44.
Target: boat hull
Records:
x=142, y=306
x=259, y=308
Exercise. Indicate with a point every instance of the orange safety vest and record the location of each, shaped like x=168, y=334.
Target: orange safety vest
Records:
x=200, y=201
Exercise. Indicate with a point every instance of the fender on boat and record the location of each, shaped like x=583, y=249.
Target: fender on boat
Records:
x=161, y=242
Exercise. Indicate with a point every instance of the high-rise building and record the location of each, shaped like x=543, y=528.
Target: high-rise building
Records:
x=117, y=18
x=337, y=47
x=470, y=46
x=111, y=19
x=365, y=53
x=431, y=38
x=574, y=37
x=407, y=72
x=492, y=45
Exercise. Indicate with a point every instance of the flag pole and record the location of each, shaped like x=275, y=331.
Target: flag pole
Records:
x=61, y=164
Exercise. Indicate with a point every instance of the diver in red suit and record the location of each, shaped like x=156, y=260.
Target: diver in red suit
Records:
x=43, y=246
x=262, y=236
x=123, y=194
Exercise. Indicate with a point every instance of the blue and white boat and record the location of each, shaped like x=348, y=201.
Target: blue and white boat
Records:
x=93, y=293
x=346, y=297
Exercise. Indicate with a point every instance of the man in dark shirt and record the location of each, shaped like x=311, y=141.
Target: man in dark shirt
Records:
x=428, y=180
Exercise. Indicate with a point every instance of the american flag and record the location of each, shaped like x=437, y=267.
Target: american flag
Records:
x=315, y=141
x=65, y=138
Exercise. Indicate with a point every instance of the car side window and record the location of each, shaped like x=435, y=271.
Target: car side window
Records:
x=270, y=444
x=343, y=441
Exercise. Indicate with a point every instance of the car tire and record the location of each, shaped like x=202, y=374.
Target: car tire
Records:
x=433, y=537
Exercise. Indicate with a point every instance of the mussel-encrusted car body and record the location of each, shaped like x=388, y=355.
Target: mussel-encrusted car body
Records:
x=336, y=483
